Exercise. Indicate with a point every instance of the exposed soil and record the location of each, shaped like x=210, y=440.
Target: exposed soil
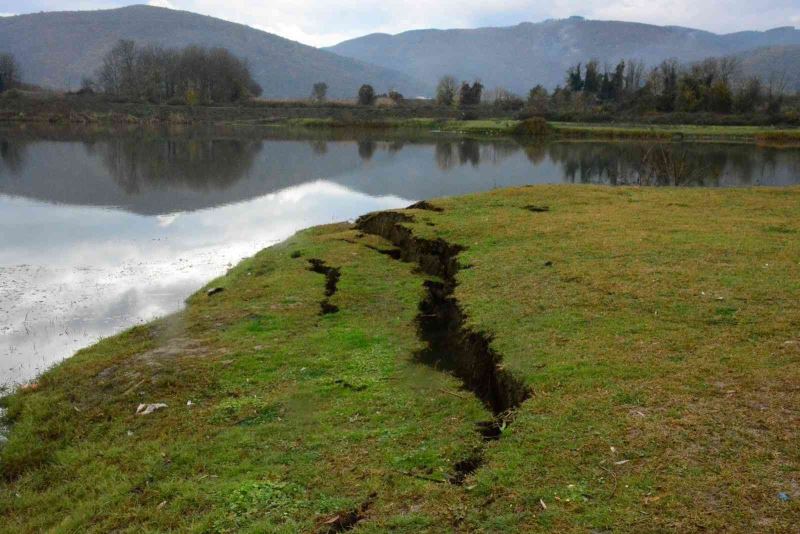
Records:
x=425, y=205
x=537, y=209
x=345, y=520
x=332, y=276
x=451, y=346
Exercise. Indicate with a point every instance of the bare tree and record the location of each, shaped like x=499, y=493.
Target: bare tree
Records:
x=446, y=91
x=194, y=74
x=634, y=75
x=749, y=95
x=776, y=91
x=116, y=74
x=730, y=68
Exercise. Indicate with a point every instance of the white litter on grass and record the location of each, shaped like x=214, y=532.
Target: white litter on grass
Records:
x=147, y=409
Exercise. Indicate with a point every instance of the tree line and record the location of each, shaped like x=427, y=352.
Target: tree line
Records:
x=448, y=93
x=713, y=85
x=191, y=75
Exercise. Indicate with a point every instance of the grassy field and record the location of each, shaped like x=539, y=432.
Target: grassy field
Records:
x=554, y=359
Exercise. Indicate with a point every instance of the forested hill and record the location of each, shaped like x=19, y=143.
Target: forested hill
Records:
x=57, y=49
x=519, y=57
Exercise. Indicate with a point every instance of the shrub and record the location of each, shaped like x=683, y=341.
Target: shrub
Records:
x=192, y=97
x=366, y=95
x=396, y=97
x=533, y=127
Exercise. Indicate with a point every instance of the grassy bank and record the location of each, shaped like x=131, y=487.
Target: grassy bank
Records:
x=752, y=134
x=536, y=359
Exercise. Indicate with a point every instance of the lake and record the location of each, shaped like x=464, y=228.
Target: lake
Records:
x=103, y=230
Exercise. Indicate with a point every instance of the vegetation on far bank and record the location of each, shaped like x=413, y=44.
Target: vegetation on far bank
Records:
x=416, y=118
x=541, y=128
x=161, y=84
x=645, y=340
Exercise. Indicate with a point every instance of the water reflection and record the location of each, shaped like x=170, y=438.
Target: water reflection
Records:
x=201, y=164
x=672, y=164
x=157, y=174
x=71, y=275
x=99, y=232
x=12, y=156
x=366, y=149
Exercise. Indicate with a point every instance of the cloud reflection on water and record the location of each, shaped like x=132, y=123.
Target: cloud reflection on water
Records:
x=121, y=269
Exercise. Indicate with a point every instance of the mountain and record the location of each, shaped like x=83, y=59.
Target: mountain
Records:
x=519, y=57
x=57, y=49
x=773, y=60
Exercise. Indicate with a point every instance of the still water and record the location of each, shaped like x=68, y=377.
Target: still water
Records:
x=99, y=232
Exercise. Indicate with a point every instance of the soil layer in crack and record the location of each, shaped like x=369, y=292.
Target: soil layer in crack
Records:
x=332, y=276
x=450, y=345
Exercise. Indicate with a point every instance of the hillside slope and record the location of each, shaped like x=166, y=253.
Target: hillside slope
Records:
x=57, y=49
x=518, y=57
x=771, y=60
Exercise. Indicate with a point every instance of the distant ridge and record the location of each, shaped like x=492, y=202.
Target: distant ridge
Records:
x=57, y=49
x=519, y=57
x=773, y=60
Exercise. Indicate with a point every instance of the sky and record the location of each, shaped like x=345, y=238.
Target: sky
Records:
x=326, y=22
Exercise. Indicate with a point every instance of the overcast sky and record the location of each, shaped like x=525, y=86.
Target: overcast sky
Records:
x=326, y=22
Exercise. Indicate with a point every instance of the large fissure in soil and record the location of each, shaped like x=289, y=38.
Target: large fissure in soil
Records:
x=451, y=345
x=332, y=276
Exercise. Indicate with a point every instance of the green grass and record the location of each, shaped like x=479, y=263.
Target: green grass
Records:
x=505, y=128
x=760, y=134
x=657, y=329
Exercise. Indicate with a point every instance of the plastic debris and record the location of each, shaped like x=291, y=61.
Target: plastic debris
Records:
x=147, y=409
x=214, y=290
x=784, y=496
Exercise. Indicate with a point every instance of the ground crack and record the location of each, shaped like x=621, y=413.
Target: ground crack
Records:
x=332, y=276
x=451, y=345
x=346, y=520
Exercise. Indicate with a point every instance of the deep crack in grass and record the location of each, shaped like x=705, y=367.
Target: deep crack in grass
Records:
x=451, y=345
x=332, y=276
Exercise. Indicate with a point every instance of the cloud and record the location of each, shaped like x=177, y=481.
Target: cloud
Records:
x=322, y=22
